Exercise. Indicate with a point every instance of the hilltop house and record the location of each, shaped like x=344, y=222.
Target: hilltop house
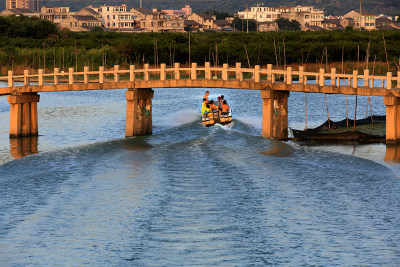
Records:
x=18, y=12
x=205, y=20
x=79, y=23
x=366, y=20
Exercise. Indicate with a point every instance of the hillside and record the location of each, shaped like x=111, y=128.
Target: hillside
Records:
x=331, y=7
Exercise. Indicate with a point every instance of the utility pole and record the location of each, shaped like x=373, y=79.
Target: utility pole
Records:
x=140, y=3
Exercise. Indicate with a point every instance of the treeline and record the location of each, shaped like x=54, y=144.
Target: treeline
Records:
x=65, y=49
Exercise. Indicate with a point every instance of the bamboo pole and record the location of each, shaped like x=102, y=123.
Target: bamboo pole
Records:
x=247, y=55
x=284, y=53
x=347, y=114
x=384, y=44
x=305, y=100
x=327, y=111
x=189, y=47
x=276, y=55
x=355, y=114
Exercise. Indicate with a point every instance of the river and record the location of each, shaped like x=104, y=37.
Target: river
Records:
x=82, y=194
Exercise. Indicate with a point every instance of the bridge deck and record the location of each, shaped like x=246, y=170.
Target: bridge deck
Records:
x=205, y=77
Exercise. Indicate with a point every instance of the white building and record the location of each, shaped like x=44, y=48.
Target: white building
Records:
x=116, y=17
x=306, y=15
x=260, y=13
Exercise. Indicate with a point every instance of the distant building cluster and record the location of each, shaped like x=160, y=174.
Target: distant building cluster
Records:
x=120, y=18
x=314, y=19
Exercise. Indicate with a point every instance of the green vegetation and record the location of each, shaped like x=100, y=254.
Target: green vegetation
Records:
x=42, y=46
x=287, y=25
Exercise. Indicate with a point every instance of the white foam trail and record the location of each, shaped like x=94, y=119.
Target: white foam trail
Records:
x=179, y=118
x=256, y=122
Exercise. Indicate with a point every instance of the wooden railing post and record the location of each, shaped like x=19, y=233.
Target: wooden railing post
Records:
x=289, y=75
x=366, y=78
x=116, y=74
x=26, y=77
x=40, y=77
x=355, y=78
x=269, y=72
x=177, y=73
x=389, y=80
x=257, y=73
x=238, y=70
x=85, y=75
x=333, y=76
x=146, y=72
x=101, y=74
x=207, y=71
x=10, y=78
x=398, y=79
x=321, y=77
x=301, y=74
x=131, y=73
x=56, y=77
x=193, y=71
x=163, y=73
x=71, y=76
x=225, y=72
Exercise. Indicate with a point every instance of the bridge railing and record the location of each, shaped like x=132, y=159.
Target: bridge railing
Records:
x=208, y=72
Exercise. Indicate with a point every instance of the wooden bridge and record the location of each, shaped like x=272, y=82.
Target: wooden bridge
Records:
x=274, y=85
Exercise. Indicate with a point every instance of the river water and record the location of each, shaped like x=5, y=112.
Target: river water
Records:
x=82, y=194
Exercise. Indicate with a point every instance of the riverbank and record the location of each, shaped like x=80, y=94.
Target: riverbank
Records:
x=67, y=49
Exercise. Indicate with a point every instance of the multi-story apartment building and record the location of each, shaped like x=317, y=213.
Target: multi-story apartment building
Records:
x=115, y=17
x=306, y=15
x=54, y=14
x=33, y=5
x=154, y=21
x=260, y=14
x=206, y=21
x=367, y=20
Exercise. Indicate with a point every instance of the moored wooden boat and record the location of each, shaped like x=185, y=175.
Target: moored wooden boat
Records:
x=369, y=130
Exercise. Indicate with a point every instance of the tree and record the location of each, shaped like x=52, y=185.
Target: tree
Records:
x=241, y=25
x=287, y=25
x=218, y=15
x=349, y=28
x=97, y=29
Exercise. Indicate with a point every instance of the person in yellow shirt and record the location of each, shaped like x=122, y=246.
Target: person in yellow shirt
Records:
x=205, y=107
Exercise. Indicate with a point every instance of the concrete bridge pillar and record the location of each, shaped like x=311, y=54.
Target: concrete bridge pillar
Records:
x=275, y=114
x=139, y=112
x=392, y=119
x=23, y=115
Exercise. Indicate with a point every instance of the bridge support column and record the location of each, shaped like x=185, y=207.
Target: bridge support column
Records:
x=392, y=119
x=275, y=114
x=23, y=115
x=139, y=112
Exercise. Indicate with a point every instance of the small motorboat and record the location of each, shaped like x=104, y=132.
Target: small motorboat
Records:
x=214, y=118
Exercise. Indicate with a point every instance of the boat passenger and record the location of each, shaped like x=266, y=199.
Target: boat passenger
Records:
x=225, y=108
x=206, y=95
x=205, y=107
x=213, y=107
